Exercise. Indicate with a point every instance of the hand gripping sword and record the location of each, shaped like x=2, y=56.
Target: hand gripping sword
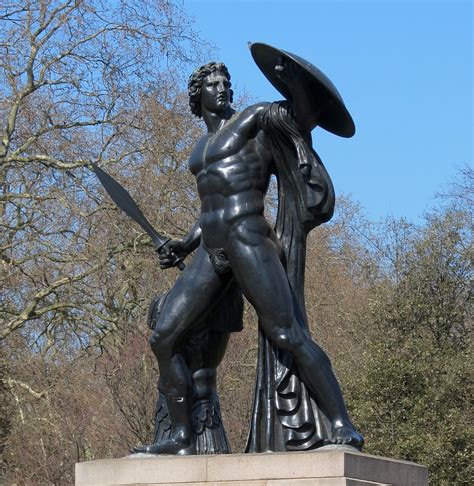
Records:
x=125, y=202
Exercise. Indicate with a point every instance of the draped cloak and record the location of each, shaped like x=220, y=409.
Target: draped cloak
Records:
x=285, y=416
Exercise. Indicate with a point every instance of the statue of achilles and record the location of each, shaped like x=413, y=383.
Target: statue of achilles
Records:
x=298, y=404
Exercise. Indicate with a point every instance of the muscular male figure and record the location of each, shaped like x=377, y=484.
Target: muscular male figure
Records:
x=233, y=164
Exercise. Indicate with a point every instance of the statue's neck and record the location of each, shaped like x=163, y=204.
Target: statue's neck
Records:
x=215, y=121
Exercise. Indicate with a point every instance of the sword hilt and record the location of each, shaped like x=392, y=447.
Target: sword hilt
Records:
x=177, y=261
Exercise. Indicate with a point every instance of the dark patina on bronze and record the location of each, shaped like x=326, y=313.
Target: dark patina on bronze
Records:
x=298, y=403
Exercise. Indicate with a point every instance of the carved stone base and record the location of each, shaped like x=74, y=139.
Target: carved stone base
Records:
x=325, y=468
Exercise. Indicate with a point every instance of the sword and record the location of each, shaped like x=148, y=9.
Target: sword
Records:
x=125, y=202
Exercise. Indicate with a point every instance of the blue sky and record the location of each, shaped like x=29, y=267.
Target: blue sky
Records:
x=404, y=70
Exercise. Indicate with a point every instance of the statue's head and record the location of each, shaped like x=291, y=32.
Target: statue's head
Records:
x=196, y=81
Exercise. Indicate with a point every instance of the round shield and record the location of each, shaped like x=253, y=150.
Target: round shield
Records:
x=334, y=118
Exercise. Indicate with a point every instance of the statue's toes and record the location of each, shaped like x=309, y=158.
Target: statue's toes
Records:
x=168, y=446
x=143, y=449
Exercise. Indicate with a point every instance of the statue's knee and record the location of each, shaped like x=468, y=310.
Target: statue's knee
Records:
x=282, y=339
x=154, y=341
x=288, y=337
x=159, y=342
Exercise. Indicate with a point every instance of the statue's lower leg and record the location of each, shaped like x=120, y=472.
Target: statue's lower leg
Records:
x=176, y=387
x=180, y=442
x=317, y=374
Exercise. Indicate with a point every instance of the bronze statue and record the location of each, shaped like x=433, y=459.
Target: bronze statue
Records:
x=298, y=403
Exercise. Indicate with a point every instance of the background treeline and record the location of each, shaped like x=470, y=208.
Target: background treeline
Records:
x=92, y=81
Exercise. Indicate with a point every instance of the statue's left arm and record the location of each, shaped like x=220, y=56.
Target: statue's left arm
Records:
x=304, y=113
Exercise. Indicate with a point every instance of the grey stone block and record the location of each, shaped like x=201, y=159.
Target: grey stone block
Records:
x=325, y=468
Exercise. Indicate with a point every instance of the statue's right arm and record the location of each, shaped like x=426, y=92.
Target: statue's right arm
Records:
x=180, y=248
x=192, y=238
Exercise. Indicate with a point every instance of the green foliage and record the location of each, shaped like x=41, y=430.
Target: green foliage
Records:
x=413, y=390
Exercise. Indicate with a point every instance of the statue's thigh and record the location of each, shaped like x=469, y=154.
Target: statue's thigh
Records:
x=193, y=293
x=258, y=271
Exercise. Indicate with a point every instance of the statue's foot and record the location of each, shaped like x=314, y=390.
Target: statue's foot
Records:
x=345, y=434
x=167, y=446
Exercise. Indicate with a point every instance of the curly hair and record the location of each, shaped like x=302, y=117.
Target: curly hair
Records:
x=195, y=84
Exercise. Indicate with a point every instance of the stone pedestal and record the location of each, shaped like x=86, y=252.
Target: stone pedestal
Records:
x=318, y=468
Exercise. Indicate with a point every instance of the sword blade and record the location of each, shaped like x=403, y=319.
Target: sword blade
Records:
x=125, y=202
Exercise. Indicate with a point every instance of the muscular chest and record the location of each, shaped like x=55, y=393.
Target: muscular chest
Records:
x=232, y=160
x=216, y=150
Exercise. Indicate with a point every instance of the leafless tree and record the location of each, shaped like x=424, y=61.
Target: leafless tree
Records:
x=81, y=82
x=73, y=75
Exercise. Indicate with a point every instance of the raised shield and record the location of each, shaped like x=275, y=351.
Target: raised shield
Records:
x=335, y=117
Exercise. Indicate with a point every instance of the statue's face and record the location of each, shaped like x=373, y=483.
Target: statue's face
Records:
x=215, y=93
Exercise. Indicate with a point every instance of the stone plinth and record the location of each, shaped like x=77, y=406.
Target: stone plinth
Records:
x=316, y=468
